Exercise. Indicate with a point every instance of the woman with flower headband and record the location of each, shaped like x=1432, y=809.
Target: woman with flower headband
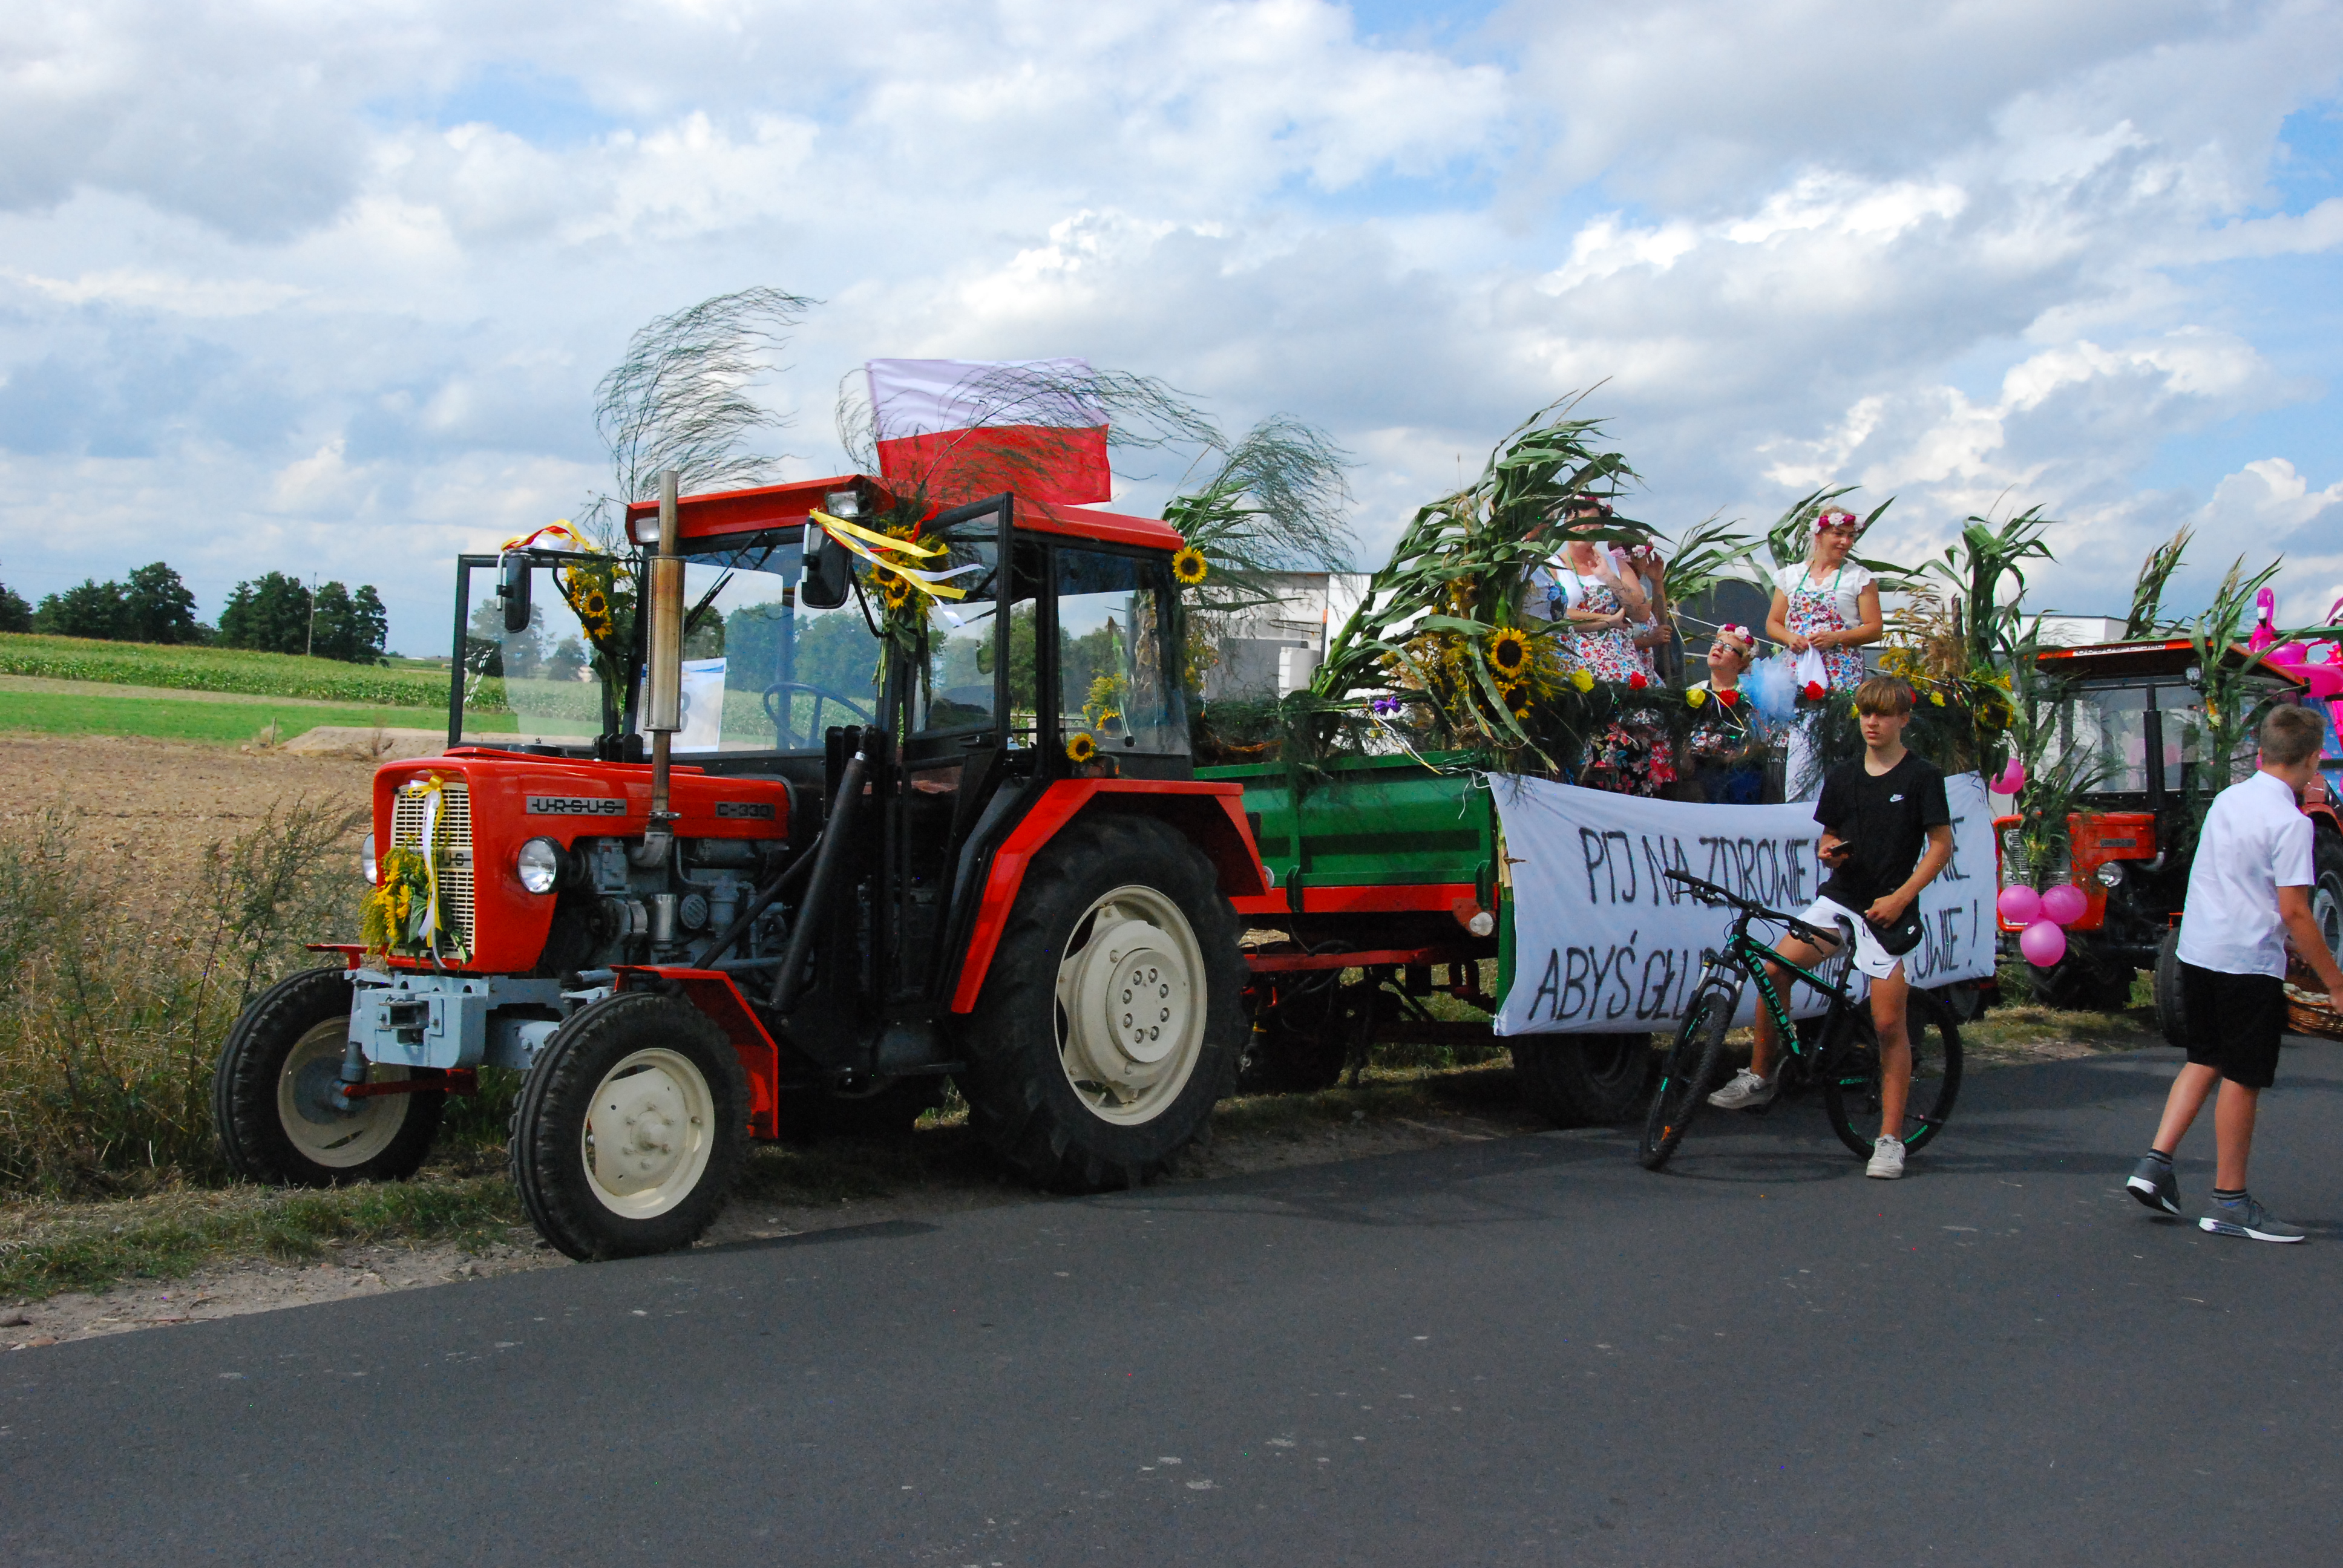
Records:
x=1831, y=605
x=1728, y=743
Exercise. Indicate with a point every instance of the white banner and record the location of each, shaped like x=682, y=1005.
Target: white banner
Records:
x=1603, y=945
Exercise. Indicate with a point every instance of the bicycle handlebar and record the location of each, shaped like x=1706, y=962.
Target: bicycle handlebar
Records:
x=1710, y=893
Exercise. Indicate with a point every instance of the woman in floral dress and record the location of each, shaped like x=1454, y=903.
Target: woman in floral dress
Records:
x=1601, y=607
x=1831, y=605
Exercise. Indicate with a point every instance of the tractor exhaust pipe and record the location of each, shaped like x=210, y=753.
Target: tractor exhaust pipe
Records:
x=663, y=673
x=827, y=857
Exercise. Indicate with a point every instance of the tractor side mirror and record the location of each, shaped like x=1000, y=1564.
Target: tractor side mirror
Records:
x=512, y=587
x=828, y=575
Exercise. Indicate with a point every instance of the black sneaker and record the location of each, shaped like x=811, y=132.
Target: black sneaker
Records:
x=2247, y=1217
x=2153, y=1184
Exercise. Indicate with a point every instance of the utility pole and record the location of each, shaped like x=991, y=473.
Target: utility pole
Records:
x=309, y=643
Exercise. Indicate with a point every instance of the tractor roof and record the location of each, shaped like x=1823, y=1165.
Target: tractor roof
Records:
x=2165, y=657
x=725, y=512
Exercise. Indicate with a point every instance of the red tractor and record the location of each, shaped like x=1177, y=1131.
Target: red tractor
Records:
x=862, y=852
x=2136, y=708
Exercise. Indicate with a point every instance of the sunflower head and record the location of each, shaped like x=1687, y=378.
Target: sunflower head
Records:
x=1582, y=678
x=1080, y=748
x=595, y=605
x=897, y=591
x=1188, y=566
x=1509, y=654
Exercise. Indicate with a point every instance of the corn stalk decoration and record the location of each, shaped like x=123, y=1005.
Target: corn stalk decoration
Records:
x=1442, y=620
x=2225, y=669
x=2147, y=594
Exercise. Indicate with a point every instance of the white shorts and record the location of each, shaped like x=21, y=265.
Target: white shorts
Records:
x=1825, y=914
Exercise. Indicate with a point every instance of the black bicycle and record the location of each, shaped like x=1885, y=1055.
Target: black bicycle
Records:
x=1840, y=1049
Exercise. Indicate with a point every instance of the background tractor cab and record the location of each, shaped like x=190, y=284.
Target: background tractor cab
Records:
x=728, y=840
x=2135, y=708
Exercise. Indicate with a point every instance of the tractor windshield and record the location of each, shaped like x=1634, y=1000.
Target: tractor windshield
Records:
x=761, y=672
x=2125, y=730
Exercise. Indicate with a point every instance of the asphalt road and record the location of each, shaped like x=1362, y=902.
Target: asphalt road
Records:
x=1522, y=1350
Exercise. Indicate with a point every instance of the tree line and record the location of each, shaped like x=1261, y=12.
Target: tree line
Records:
x=272, y=613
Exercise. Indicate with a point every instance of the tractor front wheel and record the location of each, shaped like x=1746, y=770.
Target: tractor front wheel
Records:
x=275, y=1092
x=631, y=1129
x=1112, y=1017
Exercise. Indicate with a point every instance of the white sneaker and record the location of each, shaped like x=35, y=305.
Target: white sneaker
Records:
x=1886, y=1160
x=1745, y=1090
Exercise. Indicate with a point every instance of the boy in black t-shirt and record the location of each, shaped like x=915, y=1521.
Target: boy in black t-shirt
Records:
x=1886, y=832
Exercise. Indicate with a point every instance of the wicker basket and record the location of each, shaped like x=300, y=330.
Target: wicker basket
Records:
x=2306, y=1012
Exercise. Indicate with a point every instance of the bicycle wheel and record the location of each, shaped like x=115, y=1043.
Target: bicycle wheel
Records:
x=1687, y=1075
x=1851, y=1077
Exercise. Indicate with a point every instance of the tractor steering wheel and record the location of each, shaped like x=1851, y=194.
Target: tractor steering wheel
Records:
x=777, y=709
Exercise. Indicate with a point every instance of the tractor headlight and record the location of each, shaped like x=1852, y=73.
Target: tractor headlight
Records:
x=366, y=860
x=539, y=864
x=843, y=503
x=2110, y=875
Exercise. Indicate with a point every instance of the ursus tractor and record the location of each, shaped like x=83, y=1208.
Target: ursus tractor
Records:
x=812, y=799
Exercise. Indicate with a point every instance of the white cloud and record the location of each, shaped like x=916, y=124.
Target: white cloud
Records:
x=336, y=281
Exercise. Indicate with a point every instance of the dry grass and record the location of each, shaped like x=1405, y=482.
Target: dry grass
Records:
x=115, y=992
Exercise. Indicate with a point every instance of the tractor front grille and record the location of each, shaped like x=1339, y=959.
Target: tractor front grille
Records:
x=452, y=861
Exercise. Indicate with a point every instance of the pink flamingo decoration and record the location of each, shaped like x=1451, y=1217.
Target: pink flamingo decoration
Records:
x=2264, y=621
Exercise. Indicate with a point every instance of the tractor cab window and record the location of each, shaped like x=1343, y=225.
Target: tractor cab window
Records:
x=762, y=673
x=537, y=683
x=2110, y=726
x=1112, y=653
x=959, y=690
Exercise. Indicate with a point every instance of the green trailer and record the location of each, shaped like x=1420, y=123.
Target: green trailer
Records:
x=1389, y=888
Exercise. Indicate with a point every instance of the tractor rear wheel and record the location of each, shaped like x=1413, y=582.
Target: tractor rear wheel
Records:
x=1583, y=1080
x=631, y=1128
x=274, y=1092
x=1112, y=1017
x=2171, y=1021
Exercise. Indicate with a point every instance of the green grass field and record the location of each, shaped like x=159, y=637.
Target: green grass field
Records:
x=407, y=684
x=233, y=723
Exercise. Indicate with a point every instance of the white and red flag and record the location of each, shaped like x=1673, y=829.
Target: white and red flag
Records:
x=964, y=428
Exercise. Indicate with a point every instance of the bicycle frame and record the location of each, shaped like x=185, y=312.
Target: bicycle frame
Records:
x=1745, y=955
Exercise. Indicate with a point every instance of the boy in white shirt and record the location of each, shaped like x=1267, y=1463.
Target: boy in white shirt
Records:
x=2248, y=891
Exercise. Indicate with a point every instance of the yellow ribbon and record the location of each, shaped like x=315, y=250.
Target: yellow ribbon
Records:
x=933, y=584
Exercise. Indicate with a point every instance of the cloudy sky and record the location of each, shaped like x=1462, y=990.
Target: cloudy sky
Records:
x=326, y=286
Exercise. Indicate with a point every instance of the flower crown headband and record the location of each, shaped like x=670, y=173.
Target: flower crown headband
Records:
x=1832, y=518
x=1581, y=502
x=1741, y=636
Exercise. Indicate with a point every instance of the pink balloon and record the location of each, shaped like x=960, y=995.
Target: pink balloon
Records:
x=2043, y=943
x=2020, y=905
x=2064, y=904
x=2011, y=780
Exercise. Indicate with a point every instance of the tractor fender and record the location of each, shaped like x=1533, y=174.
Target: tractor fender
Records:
x=1209, y=814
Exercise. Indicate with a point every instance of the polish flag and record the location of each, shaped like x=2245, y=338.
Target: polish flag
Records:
x=966, y=429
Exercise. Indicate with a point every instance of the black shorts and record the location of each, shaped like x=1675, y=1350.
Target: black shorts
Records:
x=2233, y=1023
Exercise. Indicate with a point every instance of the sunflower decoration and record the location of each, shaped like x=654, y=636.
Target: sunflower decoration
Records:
x=1509, y=656
x=1082, y=749
x=895, y=588
x=1188, y=566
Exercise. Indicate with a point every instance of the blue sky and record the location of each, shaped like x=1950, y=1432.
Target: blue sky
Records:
x=327, y=289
